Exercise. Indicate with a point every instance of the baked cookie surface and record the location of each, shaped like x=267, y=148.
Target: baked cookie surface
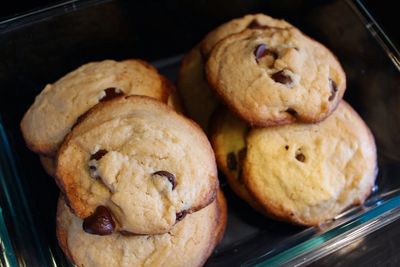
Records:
x=174, y=101
x=252, y=21
x=276, y=76
x=199, y=99
x=57, y=108
x=189, y=243
x=136, y=156
x=308, y=173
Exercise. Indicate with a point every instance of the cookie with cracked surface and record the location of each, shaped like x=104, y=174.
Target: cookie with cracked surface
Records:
x=136, y=156
x=276, y=76
x=189, y=243
x=309, y=173
x=199, y=99
x=57, y=108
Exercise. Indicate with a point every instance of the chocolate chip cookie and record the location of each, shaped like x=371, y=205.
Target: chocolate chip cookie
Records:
x=275, y=76
x=148, y=165
x=199, y=100
x=308, y=173
x=189, y=243
x=57, y=108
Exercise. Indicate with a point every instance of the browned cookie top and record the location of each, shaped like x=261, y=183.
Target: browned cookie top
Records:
x=276, y=76
x=199, y=99
x=136, y=156
x=308, y=173
x=189, y=243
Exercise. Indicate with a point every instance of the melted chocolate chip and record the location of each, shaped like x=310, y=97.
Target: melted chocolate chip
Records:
x=99, y=154
x=111, y=93
x=100, y=222
x=92, y=168
x=334, y=89
x=300, y=157
x=287, y=147
x=292, y=112
x=254, y=24
x=125, y=233
x=231, y=161
x=181, y=215
x=260, y=51
x=169, y=176
x=282, y=77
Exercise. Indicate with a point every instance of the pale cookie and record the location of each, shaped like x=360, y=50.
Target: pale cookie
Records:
x=189, y=243
x=57, y=108
x=276, y=76
x=136, y=156
x=199, y=99
x=308, y=173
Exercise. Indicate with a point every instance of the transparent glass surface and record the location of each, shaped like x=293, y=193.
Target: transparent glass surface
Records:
x=40, y=47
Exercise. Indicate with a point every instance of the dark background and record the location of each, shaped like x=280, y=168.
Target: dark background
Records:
x=384, y=11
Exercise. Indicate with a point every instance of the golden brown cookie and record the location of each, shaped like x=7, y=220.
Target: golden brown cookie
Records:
x=189, y=243
x=308, y=173
x=148, y=165
x=276, y=76
x=198, y=98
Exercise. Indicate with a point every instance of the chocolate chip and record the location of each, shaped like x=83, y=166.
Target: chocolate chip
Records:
x=92, y=168
x=111, y=93
x=300, y=157
x=125, y=233
x=292, y=112
x=286, y=147
x=231, y=161
x=254, y=24
x=260, y=51
x=282, y=77
x=169, y=176
x=181, y=215
x=334, y=89
x=100, y=222
x=99, y=154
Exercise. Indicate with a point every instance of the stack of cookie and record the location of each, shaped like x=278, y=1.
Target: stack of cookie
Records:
x=138, y=180
x=283, y=137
